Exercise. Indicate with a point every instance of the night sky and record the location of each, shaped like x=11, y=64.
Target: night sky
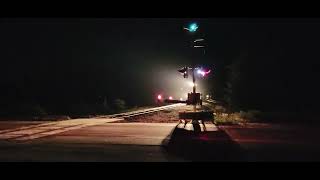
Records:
x=65, y=60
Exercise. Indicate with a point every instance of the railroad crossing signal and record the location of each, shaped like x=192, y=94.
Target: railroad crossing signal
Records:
x=185, y=75
x=184, y=71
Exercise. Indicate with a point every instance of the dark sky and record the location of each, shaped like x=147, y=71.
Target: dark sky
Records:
x=81, y=59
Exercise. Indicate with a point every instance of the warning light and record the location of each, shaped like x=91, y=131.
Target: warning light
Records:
x=203, y=72
x=159, y=97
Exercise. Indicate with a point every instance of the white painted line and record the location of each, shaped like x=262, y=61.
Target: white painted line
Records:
x=73, y=126
x=30, y=137
x=26, y=127
x=47, y=129
x=43, y=134
x=9, y=136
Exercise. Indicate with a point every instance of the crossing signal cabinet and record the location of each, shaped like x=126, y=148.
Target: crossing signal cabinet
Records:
x=194, y=98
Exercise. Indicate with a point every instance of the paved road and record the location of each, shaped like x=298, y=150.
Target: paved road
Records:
x=100, y=142
x=277, y=142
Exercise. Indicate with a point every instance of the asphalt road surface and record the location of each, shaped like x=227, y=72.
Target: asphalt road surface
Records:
x=100, y=140
x=103, y=142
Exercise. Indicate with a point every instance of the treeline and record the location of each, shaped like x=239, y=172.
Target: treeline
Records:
x=273, y=83
x=71, y=109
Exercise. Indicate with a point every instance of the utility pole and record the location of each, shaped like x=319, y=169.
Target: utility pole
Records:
x=193, y=80
x=194, y=88
x=193, y=27
x=194, y=98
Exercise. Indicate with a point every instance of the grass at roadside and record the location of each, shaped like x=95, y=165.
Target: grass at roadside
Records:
x=229, y=119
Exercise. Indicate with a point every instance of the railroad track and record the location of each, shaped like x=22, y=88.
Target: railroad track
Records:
x=210, y=101
x=141, y=112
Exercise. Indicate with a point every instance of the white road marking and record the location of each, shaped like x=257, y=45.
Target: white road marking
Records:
x=27, y=127
x=47, y=129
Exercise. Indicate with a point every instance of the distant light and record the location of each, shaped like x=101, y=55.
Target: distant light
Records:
x=181, y=99
x=159, y=97
x=192, y=84
x=170, y=97
x=207, y=72
x=193, y=27
x=207, y=96
x=201, y=72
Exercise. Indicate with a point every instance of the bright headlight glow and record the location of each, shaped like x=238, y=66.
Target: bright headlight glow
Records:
x=201, y=72
x=192, y=84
